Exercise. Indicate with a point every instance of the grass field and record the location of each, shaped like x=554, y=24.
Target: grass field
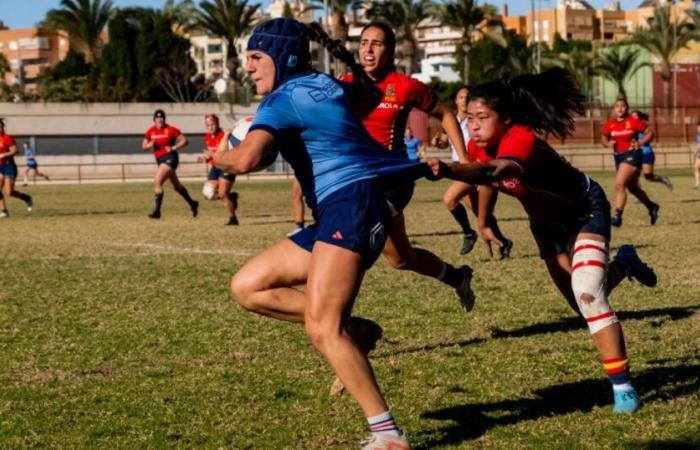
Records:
x=119, y=332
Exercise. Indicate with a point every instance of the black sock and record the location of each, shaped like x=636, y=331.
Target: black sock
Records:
x=299, y=224
x=159, y=202
x=460, y=215
x=618, y=212
x=186, y=195
x=233, y=198
x=451, y=276
x=493, y=223
x=24, y=197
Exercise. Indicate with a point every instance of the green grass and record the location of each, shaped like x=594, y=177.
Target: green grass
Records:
x=119, y=332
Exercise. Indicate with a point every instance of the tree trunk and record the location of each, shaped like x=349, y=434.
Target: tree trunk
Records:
x=408, y=49
x=621, y=92
x=667, y=91
x=466, y=47
x=232, y=61
x=339, y=31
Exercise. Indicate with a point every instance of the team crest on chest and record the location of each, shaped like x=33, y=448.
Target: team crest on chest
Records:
x=390, y=93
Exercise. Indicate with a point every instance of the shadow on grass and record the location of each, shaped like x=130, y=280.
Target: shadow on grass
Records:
x=472, y=420
x=68, y=213
x=563, y=325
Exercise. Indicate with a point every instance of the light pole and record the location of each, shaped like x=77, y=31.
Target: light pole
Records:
x=326, y=25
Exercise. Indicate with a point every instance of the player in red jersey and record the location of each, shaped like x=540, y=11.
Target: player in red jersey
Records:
x=620, y=134
x=569, y=214
x=8, y=172
x=386, y=123
x=219, y=183
x=469, y=194
x=164, y=140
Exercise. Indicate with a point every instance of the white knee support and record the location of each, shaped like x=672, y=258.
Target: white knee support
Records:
x=588, y=276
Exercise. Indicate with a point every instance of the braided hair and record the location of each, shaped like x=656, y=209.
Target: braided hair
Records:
x=364, y=95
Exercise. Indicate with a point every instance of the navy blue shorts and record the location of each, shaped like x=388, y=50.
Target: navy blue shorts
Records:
x=8, y=170
x=32, y=164
x=632, y=157
x=648, y=158
x=215, y=173
x=355, y=217
x=590, y=215
x=172, y=159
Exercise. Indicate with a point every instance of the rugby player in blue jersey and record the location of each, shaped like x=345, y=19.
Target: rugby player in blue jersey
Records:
x=309, y=117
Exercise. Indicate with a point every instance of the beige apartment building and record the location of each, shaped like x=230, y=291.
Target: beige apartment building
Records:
x=30, y=51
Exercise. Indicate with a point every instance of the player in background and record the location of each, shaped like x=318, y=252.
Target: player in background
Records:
x=459, y=192
x=339, y=168
x=8, y=173
x=413, y=144
x=32, y=165
x=569, y=214
x=219, y=183
x=621, y=135
x=164, y=140
x=648, y=157
x=386, y=123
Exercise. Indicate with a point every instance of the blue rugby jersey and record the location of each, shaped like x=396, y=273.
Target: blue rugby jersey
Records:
x=317, y=132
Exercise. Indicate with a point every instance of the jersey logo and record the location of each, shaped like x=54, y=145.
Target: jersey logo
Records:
x=390, y=93
x=317, y=95
x=337, y=235
x=376, y=236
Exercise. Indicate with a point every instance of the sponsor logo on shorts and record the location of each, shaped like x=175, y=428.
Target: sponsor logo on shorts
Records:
x=337, y=235
x=376, y=236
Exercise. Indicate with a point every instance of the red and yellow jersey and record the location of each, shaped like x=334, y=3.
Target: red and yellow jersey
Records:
x=547, y=186
x=162, y=138
x=387, y=123
x=623, y=132
x=6, y=142
x=212, y=143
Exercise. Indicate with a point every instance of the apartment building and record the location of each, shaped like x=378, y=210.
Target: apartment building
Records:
x=30, y=51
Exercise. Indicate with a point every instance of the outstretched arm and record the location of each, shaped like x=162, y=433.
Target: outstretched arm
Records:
x=452, y=129
x=475, y=173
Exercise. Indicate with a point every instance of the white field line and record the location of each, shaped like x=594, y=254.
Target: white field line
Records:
x=170, y=249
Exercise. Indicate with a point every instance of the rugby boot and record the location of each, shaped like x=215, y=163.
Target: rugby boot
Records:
x=616, y=220
x=365, y=333
x=154, y=215
x=626, y=401
x=468, y=243
x=666, y=182
x=506, y=248
x=385, y=442
x=634, y=266
x=464, y=291
x=194, y=206
x=654, y=213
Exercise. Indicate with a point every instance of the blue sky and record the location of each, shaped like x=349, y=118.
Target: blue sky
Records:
x=26, y=13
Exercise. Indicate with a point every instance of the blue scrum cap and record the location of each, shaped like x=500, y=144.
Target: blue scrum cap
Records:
x=285, y=41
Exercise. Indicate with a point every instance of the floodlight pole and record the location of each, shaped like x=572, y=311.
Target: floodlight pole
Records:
x=326, y=26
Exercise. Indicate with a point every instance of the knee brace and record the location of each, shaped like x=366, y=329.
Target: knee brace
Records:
x=588, y=277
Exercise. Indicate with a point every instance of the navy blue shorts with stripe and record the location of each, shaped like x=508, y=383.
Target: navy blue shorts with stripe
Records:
x=215, y=173
x=632, y=157
x=355, y=217
x=172, y=159
x=590, y=215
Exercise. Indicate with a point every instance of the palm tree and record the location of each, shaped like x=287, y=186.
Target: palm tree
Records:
x=464, y=15
x=663, y=39
x=580, y=63
x=84, y=21
x=404, y=16
x=229, y=20
x=617, y=64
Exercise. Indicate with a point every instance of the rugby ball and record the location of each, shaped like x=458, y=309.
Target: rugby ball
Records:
x=209, y=191
x=240, y=130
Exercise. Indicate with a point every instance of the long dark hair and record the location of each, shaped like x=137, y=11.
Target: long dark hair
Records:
x=642, y=115
x=546, y=102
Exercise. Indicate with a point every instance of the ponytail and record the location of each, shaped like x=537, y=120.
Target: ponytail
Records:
x=545, y=102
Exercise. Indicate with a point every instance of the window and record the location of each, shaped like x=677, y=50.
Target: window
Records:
x=214, y=48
